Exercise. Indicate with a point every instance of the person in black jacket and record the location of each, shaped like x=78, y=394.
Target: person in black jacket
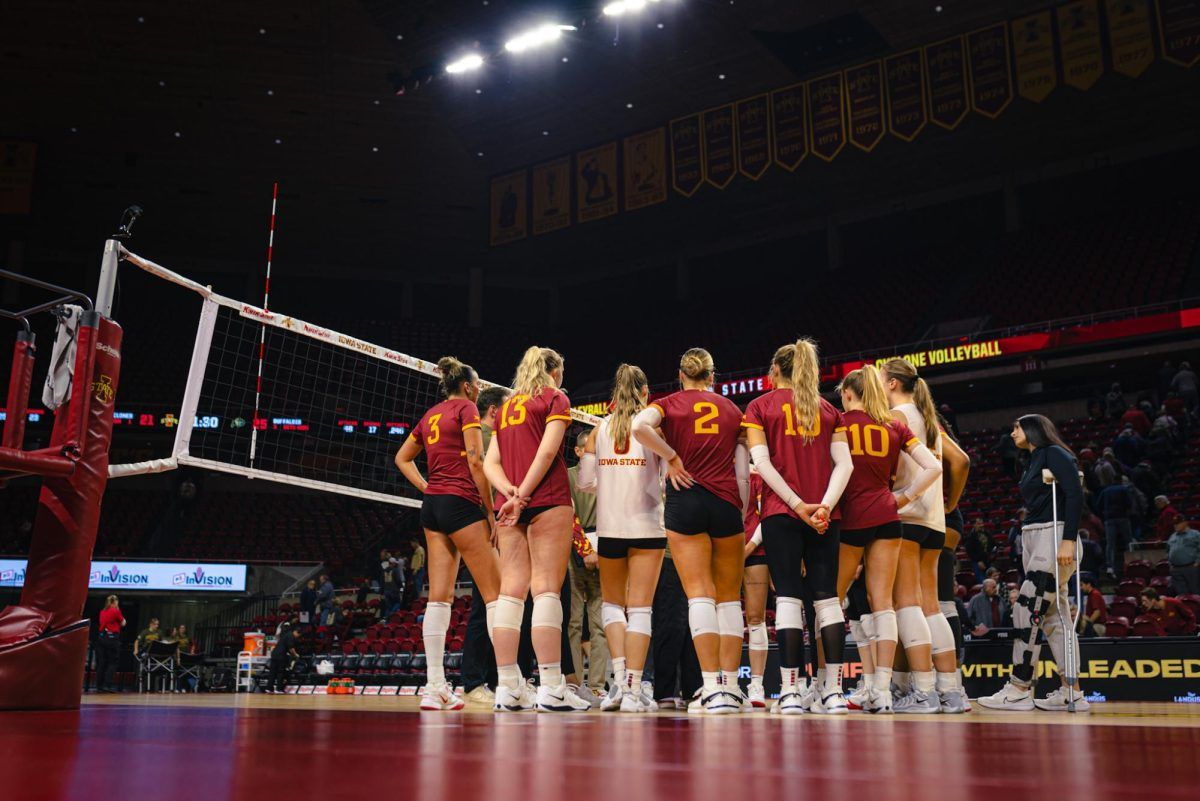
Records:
x=282, y=655
x=1048, y=537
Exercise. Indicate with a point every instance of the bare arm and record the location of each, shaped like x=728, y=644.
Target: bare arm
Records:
x=645, y=431
x=956, y=466
x=473, y=440
x=404, y=460
x=741, y=470
x=494, y=470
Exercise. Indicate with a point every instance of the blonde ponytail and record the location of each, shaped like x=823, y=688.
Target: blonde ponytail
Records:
x=868, y=386
x=627, y=402
x=914, y=385
x=806, y=380
x=533, y=373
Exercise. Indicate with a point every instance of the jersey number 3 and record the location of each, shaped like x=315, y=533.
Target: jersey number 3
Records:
x=706, y=422
x=435, y=433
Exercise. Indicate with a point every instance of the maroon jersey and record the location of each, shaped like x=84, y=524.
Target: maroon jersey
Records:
x=520, y=424
x=754, y=511
x=703, y=428
x=440, y=432
x=805, y=464
x=875, y=449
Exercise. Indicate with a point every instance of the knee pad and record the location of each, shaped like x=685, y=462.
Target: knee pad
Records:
x=758, y=637
x=509, y=613
x=729, y=619
x=885, y=624
x=639, y=620
x=437, y=619
x=828, y=612
x=702, y=616
x=489, y=614
x=856, y=630
x=868, y=627
x=789, y=613
x=914, y=629
x=941, y=635
x=949, y=608
x=547, y=611
x=611, y=614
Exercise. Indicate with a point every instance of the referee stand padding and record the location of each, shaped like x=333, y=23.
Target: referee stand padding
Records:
x=43, y=639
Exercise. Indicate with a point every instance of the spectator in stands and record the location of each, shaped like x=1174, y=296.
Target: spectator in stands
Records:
x=308, y=603
x=1141, y=507
x=1013, y=595
x=1183, y=552
x=108, y=643
x=975, y=544
x=1164, y=524
x=1129, y=446
x=1008, y=454
x=1109, y=468
x=416, y=564
x=1160, y=446
x=147, y=635
x=1091, y=558
x=1186, y=384
x=364, y=590
x=1114, y=402
x=325, y=592
x=1095, y=610
x=1014, y=536
x=283, y=656
x=1175, y=408
x=1145, y=479
x=1136, y=419
x=1174, y=616
x=987, y=608
x=1166, y=374
x=1116, y=507
x=391, y=582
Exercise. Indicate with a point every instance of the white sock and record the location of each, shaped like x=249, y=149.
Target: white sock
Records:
x=924, y=681
x=634, y=679
x=947, y=682
x=711, y=681
x=833, y=678
x=433, y=632
x=820, y=677
x=550, y=674
x=508, y=676
x=756, y=679
x=867, y=681
x=618, y=669
x=883, y=679
x=788, y=677
x=902, y=679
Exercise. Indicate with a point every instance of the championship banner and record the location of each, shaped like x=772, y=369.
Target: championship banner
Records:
x=1079, y=40
x=1179, y=31
x=905, y=78
x=687, y=162
x=719, y=158
x=1129, y=36
x=551, y=196
x=17, y=160
x=864, y=97
x=596, y=183
x=946, y=67
x=754, y=136
x=508, y=211
x=789, y=124
x=991, y=82
x=1033, y=50
x=826, y=98
x=645, y=169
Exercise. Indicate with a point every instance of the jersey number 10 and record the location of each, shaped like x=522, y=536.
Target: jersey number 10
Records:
x=873, y=437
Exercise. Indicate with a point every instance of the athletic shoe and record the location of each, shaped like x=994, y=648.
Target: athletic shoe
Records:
x=481, y=695
x=722, y=702
x=918, y=703
x=739, y=698
x=587, y=695
x=1057, y=701
x=562, y=698
x=648, y=689
x=518, y=700
x=635, y=701
x=858, y=699
x=614, y=700
x=756, y=695
x=671, y=703
x=789, y=704
x=966, y=702
x=878, y=703
x=1010, y=698
x=696, y=705
x=832, y=704
x=952, y=702
x=438, y=697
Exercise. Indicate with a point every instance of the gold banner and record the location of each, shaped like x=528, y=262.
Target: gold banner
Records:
x=905, y=74
x=864, y=98
x=1179, y=31
x=508, y=221
x=754, y=136
x=596, y=182
x=946, y=67
x=687, y=158
x=645, y=169
x=991, y=81
x=1129, y=37
x=1033, y=48
x=17, y=160
x=551, y=196
x=1079, y=40
x=789, y=126
x=826, y=109
x=720, y=163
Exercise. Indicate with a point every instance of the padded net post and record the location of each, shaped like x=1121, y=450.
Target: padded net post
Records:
x=19, y=385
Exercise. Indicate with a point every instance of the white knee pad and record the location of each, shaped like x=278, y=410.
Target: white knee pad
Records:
x=789, y=613
x=508, y=613
x=729, y=619
x=437, y=619
x=702, y=616
x=547, y=611
x=949, y=608
x=611, y=614
x=639, y=620
x=941, y=635
x=828, y=613
x=490, y=616
x=856, y=630
x=868, y=627
x=758, y=637
x=885, y=625
x=914, y=629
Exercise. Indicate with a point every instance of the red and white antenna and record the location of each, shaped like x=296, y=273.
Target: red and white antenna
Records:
x=262, y=340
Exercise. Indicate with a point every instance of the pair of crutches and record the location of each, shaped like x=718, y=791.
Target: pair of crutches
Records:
x=1069, y=636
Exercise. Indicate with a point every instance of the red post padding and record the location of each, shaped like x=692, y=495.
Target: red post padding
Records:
x=19, y=384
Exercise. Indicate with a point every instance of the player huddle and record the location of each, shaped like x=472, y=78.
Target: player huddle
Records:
x=849, y=508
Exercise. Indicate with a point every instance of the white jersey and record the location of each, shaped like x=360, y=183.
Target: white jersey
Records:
x=929, y=510
x=629, y=490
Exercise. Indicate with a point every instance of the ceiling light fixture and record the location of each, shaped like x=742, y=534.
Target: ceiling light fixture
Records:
x=467, y=63
x=536, y=37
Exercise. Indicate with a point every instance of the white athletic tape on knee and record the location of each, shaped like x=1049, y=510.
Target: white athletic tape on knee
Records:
x=941, y=635
x=702, y=616
x=489, y=614
x=547, y=611
x=611, y=614
x=508, y=614
x=729, y=619
x=885, y=625
x=789, y=613
x=914, y=629
x=639, y=620
x=949, y=608
x=828, y=613
x=868, y=626
x=437, y=619
x=758, y=637
x=856, y=631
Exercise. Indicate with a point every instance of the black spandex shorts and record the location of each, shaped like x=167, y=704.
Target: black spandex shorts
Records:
x=449, y=513
x=862, y=537
x=856, y=597
x=954, y=520
x=619, y=547
x=756, y=559
x=924, y=536
x=527, y=515
x=790, y=543
x=695, y=510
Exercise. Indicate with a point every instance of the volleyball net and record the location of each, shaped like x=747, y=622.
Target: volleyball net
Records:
x=273, y=397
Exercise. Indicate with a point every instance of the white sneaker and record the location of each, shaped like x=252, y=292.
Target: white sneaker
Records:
x=722, y=702
x=518, y=700
x=672, y=703
x=648, y=689
x=858, y=698
x=439, y=697
x=878, y=703
x=696, y=705
x=1057, y=701
x=953, y=702
x=789, y=704
x=560, y=699
x=738, y=697
x=635, y=701
x=481, y=695
x=832, y=704
x=1010, y=698
x=614, y=700
x=756, y=695
x=587, y=695
x=918, y=703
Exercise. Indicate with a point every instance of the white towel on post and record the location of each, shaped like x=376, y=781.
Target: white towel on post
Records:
x=62, y=359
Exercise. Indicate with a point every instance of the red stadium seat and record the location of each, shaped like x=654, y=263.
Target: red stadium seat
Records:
x=1147, y=627
x=1131, y=587
x=1124, y=607
x=1162, y=584
x=1162, y=568
x=1117, y=627
x=1139, y=569
x=1192, y=602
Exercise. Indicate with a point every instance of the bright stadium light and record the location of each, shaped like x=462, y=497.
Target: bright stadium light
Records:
x=536, y=37
x=619, y=7
x=465, y=64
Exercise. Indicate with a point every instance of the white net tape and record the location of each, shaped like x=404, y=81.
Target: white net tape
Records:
x=332, y=411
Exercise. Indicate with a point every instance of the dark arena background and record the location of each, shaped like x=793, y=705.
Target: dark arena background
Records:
x=238, y=237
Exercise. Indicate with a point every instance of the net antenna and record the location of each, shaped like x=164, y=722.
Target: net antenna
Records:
x=332, y=409
x=262, y=342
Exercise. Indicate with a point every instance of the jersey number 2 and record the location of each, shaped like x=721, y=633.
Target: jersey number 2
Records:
x=706, y=422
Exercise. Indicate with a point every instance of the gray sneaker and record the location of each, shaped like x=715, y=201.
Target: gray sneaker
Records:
x=918, y=703
x=612, y=701
x=953, y=702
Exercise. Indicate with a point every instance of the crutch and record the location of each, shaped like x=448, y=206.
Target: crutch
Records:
x=1068, y=633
